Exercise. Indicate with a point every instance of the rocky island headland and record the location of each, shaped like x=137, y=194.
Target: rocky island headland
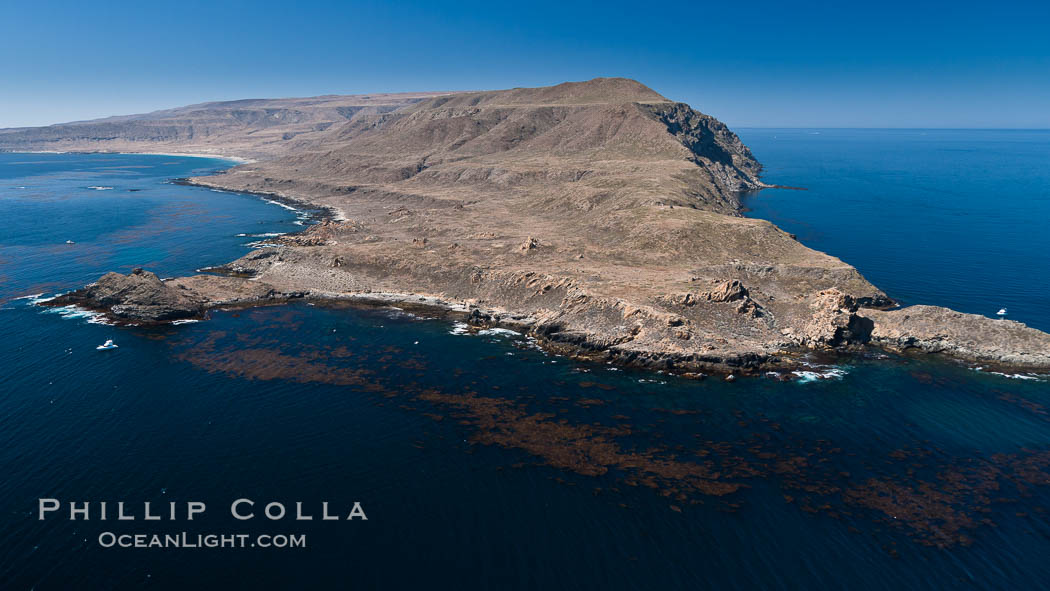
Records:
x=599, y=216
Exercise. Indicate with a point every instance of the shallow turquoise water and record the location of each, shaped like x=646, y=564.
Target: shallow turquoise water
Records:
x=480, y=460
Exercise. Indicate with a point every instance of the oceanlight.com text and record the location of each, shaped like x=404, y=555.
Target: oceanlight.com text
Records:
x=188, y=540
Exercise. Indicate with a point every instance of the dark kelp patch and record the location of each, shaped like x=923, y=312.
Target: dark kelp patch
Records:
x=935, y=498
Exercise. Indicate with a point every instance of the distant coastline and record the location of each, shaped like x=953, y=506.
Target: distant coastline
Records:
x=234, y=159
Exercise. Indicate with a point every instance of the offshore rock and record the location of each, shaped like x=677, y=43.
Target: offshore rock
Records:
x=137, y=297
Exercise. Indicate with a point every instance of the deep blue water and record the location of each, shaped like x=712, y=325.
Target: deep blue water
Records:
x=480, y=460
x=957, y=218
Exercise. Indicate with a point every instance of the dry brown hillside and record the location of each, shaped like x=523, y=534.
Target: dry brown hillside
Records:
x=599, y=215
x=250, y=128
x=599, y=207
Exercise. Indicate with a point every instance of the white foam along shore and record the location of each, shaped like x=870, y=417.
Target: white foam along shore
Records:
x=807, y=376
x=1014, y=376
x=284, y=205
x=76, y=312
x=68, y=312
x=338, y=215
x=462, y=328
x=499, y=331
x=301, y=215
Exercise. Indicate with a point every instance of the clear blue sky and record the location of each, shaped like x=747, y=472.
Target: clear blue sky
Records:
x=756, y=63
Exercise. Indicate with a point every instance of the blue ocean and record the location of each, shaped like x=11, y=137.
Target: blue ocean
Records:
x=955, y=218
x=483, y=461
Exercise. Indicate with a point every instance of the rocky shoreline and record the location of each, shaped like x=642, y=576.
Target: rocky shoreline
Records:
x=599, y=217
x=141, y=298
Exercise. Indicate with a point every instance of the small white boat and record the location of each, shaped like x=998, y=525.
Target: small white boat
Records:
x=1001, y=312
x=107, y=345
x=70, y=242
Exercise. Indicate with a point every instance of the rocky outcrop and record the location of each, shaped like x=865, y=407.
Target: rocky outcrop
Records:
x=142, y=298
x=726, y=292
x=729, y=291
x=139, y=297
x=835, y=322
x=316, y=235
x=931, y=329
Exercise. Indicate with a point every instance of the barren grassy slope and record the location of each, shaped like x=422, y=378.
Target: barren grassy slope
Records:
x=597, y=206
x=251, y=128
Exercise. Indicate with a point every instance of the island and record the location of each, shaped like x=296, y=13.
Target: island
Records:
x=599, y=216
